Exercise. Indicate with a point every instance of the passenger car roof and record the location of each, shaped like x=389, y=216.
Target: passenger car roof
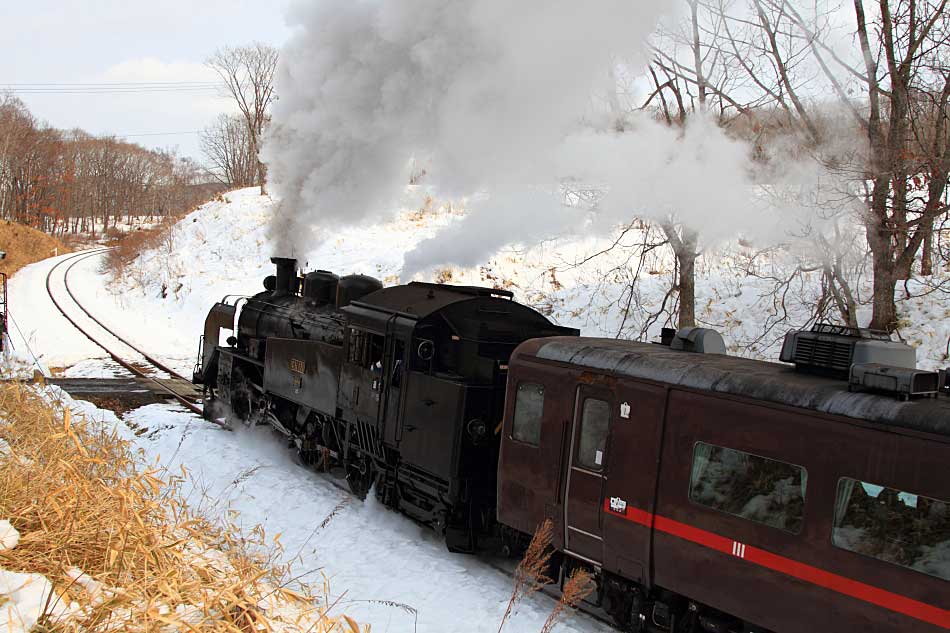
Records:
x=759, y=380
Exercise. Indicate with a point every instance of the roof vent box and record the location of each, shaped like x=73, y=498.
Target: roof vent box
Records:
x=834, y=349
x=899, y=381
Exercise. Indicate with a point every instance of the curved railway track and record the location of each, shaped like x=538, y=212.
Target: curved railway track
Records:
x=187, y=402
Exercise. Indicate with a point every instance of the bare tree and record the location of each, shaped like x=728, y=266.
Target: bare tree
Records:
x=227, y=146
x=695, y=82
x=896, y=91
x=248, y=73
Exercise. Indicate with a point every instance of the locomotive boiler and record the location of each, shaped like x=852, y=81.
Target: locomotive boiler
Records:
x=402, y=388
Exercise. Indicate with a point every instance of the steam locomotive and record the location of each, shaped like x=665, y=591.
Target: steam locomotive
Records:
x=703, y=492
x=400, y=387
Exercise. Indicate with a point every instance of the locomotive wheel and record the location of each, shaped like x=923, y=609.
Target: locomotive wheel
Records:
x=241, y=404
x=359, y=476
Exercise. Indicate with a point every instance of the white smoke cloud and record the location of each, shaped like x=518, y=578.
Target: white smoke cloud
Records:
x=482, y=92
x=497, y=100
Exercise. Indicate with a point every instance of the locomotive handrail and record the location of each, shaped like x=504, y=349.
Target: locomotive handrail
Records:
x=224, y=300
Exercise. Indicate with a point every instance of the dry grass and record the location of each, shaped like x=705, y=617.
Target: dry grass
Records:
x=82, y=500
x=127, y=245
x=24, y=246
x=578, y=587
x=531, y=573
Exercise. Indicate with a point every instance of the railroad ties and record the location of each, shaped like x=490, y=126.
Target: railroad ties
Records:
x=128, y=393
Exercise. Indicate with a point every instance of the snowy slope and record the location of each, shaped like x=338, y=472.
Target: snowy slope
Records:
x=222, y=248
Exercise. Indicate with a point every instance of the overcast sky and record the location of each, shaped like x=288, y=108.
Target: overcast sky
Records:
x=105, y=41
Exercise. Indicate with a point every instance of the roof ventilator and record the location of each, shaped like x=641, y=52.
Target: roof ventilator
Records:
x=832, y=349
x=699, y=340
x=898, y=381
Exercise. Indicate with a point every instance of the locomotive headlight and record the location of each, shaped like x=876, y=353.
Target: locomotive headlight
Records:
x=477, y=429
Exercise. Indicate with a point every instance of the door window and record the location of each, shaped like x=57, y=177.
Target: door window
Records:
x=894, y=526
x=592, y=444
x=529, y=409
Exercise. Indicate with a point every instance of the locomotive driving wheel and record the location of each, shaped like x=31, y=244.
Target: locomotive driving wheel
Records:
x=360, y=474
x=240, y=397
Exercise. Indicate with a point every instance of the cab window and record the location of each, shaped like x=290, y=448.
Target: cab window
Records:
x=529, y=409
x=365, y=349
x=893, y=526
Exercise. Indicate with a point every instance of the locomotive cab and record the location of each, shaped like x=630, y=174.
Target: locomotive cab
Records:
x=423, y=383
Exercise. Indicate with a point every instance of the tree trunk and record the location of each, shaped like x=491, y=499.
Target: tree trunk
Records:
x=684, y=244
x=884, y=315
x=926, y=256
x=687, y=289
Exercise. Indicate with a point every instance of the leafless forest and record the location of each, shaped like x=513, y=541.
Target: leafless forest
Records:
x=67, y=181
x=860, y=89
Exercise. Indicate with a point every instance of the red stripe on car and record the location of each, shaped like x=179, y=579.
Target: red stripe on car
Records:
x=796, y=569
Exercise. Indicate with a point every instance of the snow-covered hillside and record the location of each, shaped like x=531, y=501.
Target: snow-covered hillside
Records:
x=222, y=248
x=377, y=560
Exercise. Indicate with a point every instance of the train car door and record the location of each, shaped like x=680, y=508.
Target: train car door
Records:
x=587, y=471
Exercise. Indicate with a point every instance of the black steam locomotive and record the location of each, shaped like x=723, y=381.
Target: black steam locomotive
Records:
x=401, y=387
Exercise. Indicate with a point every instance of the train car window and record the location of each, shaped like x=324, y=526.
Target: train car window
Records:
x=749, y=486
x=893, y=526
x=595, y=421
x=529, y=408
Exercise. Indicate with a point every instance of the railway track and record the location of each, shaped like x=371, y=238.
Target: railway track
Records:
x=105, y=332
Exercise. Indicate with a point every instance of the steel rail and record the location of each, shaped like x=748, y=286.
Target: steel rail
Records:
x=191, y=406
x=151, y=359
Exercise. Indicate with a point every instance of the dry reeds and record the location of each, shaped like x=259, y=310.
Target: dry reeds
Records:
x=24, y=246
x=127, y=245
x=578, y=587
x=119, y=544
x=530, y=575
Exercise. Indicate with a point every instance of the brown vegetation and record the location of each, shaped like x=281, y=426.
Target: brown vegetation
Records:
x=127, y=245
x=531, y=573
x=25, y=246
x=72, y=182
x=118, y=540
x=580, y=584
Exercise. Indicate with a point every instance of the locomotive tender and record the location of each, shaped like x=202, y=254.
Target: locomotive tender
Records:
x=703, y=492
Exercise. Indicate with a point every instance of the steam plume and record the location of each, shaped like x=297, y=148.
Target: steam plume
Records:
x=495, y=98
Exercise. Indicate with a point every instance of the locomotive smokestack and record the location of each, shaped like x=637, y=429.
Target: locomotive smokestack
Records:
x=286, y=275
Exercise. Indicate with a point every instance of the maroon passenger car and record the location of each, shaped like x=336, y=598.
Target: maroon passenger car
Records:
x=714, y=493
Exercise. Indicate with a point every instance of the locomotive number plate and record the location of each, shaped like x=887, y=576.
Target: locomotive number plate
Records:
x=298, y=366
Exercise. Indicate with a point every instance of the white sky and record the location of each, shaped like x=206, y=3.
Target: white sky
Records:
x=96, y=41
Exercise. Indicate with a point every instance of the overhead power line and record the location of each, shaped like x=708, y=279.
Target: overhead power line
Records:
x=120, y=83
x=120, y=87
x=158, y=134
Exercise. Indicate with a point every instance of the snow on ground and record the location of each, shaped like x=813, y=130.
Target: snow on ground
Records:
x=36, y=324
x=375, y=560
x=24, y=597
x=222, y=248
x=9, y=537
